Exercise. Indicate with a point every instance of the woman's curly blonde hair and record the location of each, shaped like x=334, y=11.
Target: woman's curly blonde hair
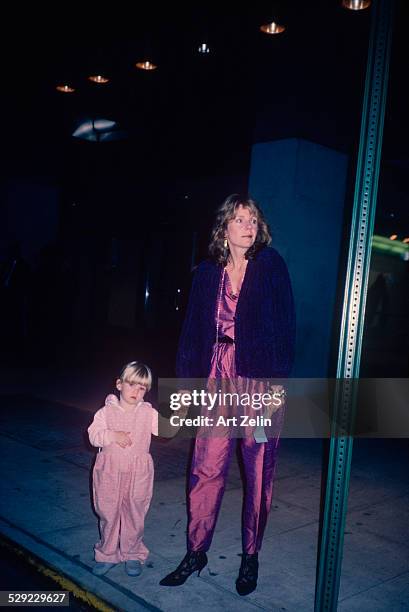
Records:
x=226, y=213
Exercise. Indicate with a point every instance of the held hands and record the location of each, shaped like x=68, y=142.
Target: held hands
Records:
x=279, y=394
x=122, y=438
x=183, y=410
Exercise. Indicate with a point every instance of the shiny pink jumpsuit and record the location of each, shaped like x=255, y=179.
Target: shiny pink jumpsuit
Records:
x=212, y=456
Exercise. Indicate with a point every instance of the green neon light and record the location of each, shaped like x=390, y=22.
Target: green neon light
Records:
x=393, y=247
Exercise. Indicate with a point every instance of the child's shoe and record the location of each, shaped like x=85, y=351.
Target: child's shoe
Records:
x=101, y=568
x=133, y=568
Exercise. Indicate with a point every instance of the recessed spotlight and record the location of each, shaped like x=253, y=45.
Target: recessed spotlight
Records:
x=146, y=65
x=272, y=28
x=65, y=88
x=356, y=5
x=98, y=78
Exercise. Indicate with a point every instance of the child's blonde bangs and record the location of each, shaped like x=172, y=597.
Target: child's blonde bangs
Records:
x=138, y=373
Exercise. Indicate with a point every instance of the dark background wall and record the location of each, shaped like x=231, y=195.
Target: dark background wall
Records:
x=100, y=224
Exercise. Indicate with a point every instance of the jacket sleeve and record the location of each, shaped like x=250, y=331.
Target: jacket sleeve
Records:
x=284, y=319
x=98, y=432
x=189, y=338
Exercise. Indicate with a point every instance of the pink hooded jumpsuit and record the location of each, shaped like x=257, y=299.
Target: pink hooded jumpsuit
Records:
x=122, y=479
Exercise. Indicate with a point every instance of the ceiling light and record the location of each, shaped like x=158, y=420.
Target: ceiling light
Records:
x=99, y=130
x=146, y=65
x=64, y=88
x=98, y=78
x=204, y=48
x=272, y=28
x=356, y=5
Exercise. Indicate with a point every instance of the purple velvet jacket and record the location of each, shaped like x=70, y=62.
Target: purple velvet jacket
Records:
x=264, y=325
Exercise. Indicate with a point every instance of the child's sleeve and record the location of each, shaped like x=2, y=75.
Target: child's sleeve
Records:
x=155, y=426
x=98, y=432
x=162, y=426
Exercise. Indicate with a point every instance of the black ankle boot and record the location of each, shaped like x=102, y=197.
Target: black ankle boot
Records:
x=248, y=574
x=192, y=562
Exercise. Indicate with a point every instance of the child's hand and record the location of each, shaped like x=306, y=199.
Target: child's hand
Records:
x=122, y=438
x=184, y=409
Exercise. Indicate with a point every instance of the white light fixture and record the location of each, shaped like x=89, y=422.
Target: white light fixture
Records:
x=203, y=48
x=99, y=130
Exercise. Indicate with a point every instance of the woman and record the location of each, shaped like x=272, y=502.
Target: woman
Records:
x=239, y=325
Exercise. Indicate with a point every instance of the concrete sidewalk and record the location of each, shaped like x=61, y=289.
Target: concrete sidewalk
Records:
x=45, y=507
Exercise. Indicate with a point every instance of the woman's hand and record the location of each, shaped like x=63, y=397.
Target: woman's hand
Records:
x=278, y=400
x=122, y=438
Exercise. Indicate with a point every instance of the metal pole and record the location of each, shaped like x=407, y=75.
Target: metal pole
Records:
x=363, y=216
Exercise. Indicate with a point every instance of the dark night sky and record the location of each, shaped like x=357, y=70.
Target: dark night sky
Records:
x=195, y=116
x=190, y=126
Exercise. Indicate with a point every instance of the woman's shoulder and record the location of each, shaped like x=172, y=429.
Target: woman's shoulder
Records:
x=205, y=268
x=205, y=265
x=269, y=256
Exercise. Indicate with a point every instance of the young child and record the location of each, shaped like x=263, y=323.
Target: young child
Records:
x=123, y=471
